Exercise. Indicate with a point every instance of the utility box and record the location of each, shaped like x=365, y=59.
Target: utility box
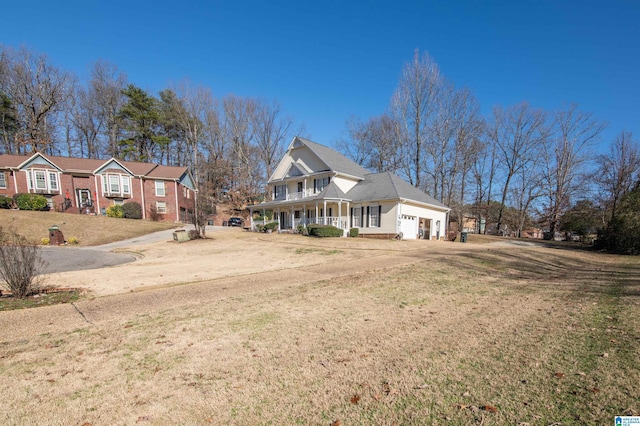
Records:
x=463, y=237
x=180, y=235
x=55, y=236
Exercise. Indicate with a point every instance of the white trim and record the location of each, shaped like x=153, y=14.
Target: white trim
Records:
x=177, y=209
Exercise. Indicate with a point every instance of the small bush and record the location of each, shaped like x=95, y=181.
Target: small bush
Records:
x=132, y=210
x=115, y=210
x=354, y=232
x=324, y=231
x=73, y=241
x=193, y=234
x=273, y=226
x=45, y=241
x=5, y=202
x=20, y=263
x=153, y=213
x=31, y=202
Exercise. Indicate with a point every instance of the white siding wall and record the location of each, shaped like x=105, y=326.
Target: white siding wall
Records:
x=345, y=184
x=423, y=212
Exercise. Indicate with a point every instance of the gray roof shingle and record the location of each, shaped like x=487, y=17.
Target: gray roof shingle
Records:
x=333, y=159
x=387, y=186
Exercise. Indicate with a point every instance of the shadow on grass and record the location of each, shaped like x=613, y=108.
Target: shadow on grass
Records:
x=581, y=273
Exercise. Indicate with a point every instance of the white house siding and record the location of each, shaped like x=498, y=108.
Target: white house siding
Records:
x=344, y=184
x=422, y=212
x=388, y=224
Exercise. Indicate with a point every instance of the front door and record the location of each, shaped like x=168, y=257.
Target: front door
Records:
x=84, y=201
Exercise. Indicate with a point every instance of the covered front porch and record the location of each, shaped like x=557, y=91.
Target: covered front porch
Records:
x=292, y=216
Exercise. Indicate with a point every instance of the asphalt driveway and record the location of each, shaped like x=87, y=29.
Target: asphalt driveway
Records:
x=68, y=258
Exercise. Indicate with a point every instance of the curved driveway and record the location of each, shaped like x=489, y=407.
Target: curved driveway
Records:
x=68, y=258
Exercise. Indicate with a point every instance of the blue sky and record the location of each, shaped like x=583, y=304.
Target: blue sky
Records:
x=327, y=60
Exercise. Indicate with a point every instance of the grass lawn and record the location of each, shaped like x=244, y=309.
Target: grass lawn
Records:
x=492, y=337
x=89, y=230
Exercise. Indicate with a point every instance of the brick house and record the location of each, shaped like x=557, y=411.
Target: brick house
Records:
x=89, y=186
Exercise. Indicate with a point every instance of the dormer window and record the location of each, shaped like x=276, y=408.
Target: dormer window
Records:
x=279, y=192
x=319, y=184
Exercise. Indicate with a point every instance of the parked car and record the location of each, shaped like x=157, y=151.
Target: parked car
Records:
x=234, y=221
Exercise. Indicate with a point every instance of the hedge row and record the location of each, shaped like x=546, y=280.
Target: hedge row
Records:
x=324, y=231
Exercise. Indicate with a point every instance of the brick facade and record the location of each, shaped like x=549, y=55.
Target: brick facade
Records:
x=89, y=186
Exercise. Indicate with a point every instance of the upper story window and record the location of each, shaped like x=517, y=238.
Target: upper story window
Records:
x=160, y=191
x=3, y=180
x=43, y=180
x=279, y=192
x=319, y=184
x=114, y=183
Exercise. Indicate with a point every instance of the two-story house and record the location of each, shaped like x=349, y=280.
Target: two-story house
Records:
x=82, y=185
x=316, y=184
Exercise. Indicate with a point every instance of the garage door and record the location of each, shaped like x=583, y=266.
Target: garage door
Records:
x=408, y=227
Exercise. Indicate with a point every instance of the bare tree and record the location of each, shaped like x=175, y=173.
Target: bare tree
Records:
x=38, y=90
x=565, y=158
x=413, y=105
x=373, y=144
x=518, y=134
x=619, y=170
x=271, y=130
x=190, y=110
x=239, y=134
x=105, y=88
x=87, y=123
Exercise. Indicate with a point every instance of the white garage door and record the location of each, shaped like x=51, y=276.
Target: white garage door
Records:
x=408, y=227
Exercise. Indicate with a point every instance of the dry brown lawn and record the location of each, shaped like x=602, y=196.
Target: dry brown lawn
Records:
x=89, y=230
x=340, y=331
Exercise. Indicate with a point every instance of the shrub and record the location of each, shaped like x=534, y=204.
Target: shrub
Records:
x=115, y=210
x=194, y=235
x=20, y=263
x=5, y=202
x=73, y=241
x=31, y=202
x=153, y=213
x=132, y=210
x=354, y=232
x=324, y=231
x=273, y=226
x=44, y=241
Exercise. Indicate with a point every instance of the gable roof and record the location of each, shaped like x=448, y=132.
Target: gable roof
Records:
x=91, y=165
x=387, y=186
x=335, y=161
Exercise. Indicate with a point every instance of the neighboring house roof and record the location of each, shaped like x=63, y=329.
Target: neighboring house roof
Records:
x=387, y=186
x=90, y=165
x=334, y=160
x=167, y=172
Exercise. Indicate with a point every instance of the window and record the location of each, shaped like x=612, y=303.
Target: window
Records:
x=114, y=184
x=41, y=179
x=319, y=184
x=356, y=217
x=53, y=181
x=126, y=185
x=160, y=192
x=118, y=202
x=279, y=192
x=3, y=180
x=374, y=216
x=161, y=207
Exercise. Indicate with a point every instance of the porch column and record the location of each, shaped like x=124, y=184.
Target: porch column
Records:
x=292, y=216
x=317, y=213
x=304, y=214
x=278, y=213
x=340, y=214
x=177, y=206
x=144, y=206
x=348, y=217
x=324, y=213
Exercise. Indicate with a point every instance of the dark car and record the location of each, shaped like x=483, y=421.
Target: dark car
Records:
x=234, y=221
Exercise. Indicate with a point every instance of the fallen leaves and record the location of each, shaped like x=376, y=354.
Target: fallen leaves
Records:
x=355, y=399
